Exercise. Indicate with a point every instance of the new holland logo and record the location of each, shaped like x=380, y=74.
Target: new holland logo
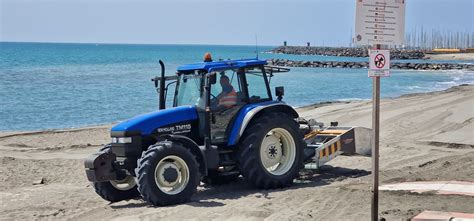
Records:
x=176, y=129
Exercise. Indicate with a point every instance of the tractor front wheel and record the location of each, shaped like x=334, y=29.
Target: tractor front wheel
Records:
x=271, y=151
x=168, y=173
x=116, y=190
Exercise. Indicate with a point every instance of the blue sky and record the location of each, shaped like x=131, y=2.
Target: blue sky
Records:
x=321, y=22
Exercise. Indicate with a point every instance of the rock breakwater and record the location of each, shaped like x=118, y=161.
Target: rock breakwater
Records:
x=345, y=51
x=394, y=65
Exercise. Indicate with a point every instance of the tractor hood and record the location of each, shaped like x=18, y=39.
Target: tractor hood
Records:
x=145, y=124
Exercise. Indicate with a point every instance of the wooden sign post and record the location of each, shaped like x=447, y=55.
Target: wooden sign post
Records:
x=378, y=22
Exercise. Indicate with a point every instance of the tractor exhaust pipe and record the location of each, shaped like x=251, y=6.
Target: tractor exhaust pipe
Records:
x=162, y=87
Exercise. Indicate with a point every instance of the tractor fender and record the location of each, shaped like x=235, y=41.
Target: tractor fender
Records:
x=206, y=158
x=251, y=111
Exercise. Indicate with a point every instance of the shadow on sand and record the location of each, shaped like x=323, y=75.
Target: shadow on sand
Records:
x=206, y=195
x=308, y=178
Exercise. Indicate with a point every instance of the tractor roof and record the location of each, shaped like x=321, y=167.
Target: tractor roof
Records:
x=222, y=65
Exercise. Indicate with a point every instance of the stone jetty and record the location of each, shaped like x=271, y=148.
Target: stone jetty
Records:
x=345, y=51
x=350, y=64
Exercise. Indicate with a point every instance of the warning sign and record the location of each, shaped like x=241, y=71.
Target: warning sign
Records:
x=380, y=22
x=379, y=63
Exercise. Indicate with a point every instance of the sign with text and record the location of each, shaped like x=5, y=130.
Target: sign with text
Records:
x=380, y=22
x=379, y=63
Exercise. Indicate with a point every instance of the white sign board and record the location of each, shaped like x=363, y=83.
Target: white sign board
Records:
x=379, y=63
x=380, y=22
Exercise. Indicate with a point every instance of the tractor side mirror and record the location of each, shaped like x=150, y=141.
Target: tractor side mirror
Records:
x=279, y=92
x=212, y=78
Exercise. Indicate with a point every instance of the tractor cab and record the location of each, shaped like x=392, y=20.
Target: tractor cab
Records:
x=218, y=90
x=247, y=78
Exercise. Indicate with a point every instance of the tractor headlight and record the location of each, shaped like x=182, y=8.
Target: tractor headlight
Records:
x=121, y=140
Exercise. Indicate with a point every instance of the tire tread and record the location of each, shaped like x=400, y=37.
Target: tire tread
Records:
x=143, y=167
x=249, y=163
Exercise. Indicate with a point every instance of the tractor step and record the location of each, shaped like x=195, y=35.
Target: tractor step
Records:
x=228, y=173
x=227, y=163
x=226, y=151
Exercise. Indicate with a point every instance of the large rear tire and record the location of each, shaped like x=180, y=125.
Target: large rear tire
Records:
x=167, y=173
x=271, y=151
x=116, y=190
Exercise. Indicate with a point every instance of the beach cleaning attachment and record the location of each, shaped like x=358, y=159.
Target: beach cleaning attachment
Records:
x=323, y=144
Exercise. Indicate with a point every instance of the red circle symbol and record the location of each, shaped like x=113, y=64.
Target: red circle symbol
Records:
x=379, y=61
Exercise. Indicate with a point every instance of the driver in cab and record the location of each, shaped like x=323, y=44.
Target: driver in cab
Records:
x=228, y=97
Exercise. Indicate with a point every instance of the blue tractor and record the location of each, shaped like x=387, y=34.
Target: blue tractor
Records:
x=224, y=123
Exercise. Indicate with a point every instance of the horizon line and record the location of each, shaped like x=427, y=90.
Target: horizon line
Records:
x=122, y=43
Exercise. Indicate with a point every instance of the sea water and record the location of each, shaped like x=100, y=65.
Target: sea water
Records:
x=51, y=86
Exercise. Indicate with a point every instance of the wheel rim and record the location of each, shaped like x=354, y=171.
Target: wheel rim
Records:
x=125, y=184
x=278, y=151
x=171, y=175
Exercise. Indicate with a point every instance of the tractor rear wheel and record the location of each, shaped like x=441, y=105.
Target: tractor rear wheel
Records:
x=116, y=190
x=167, y=173
x=271, y=151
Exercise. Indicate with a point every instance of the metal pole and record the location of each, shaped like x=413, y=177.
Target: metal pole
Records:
x=375, y=143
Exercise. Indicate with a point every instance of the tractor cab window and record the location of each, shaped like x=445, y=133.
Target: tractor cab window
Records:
x=226, y=93
x=189, y=89
x=256, y=84
x=226, y=101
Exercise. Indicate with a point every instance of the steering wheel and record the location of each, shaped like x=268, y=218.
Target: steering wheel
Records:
x=213, y=100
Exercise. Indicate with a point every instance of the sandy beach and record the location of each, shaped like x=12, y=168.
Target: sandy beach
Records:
x=450, y=56
x=424, y=137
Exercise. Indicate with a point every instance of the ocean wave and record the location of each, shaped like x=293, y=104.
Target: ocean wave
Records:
x=352, y=99
x=447, y=83
x=415, y=87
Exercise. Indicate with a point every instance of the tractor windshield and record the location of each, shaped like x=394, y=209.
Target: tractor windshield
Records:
x=189, y=89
